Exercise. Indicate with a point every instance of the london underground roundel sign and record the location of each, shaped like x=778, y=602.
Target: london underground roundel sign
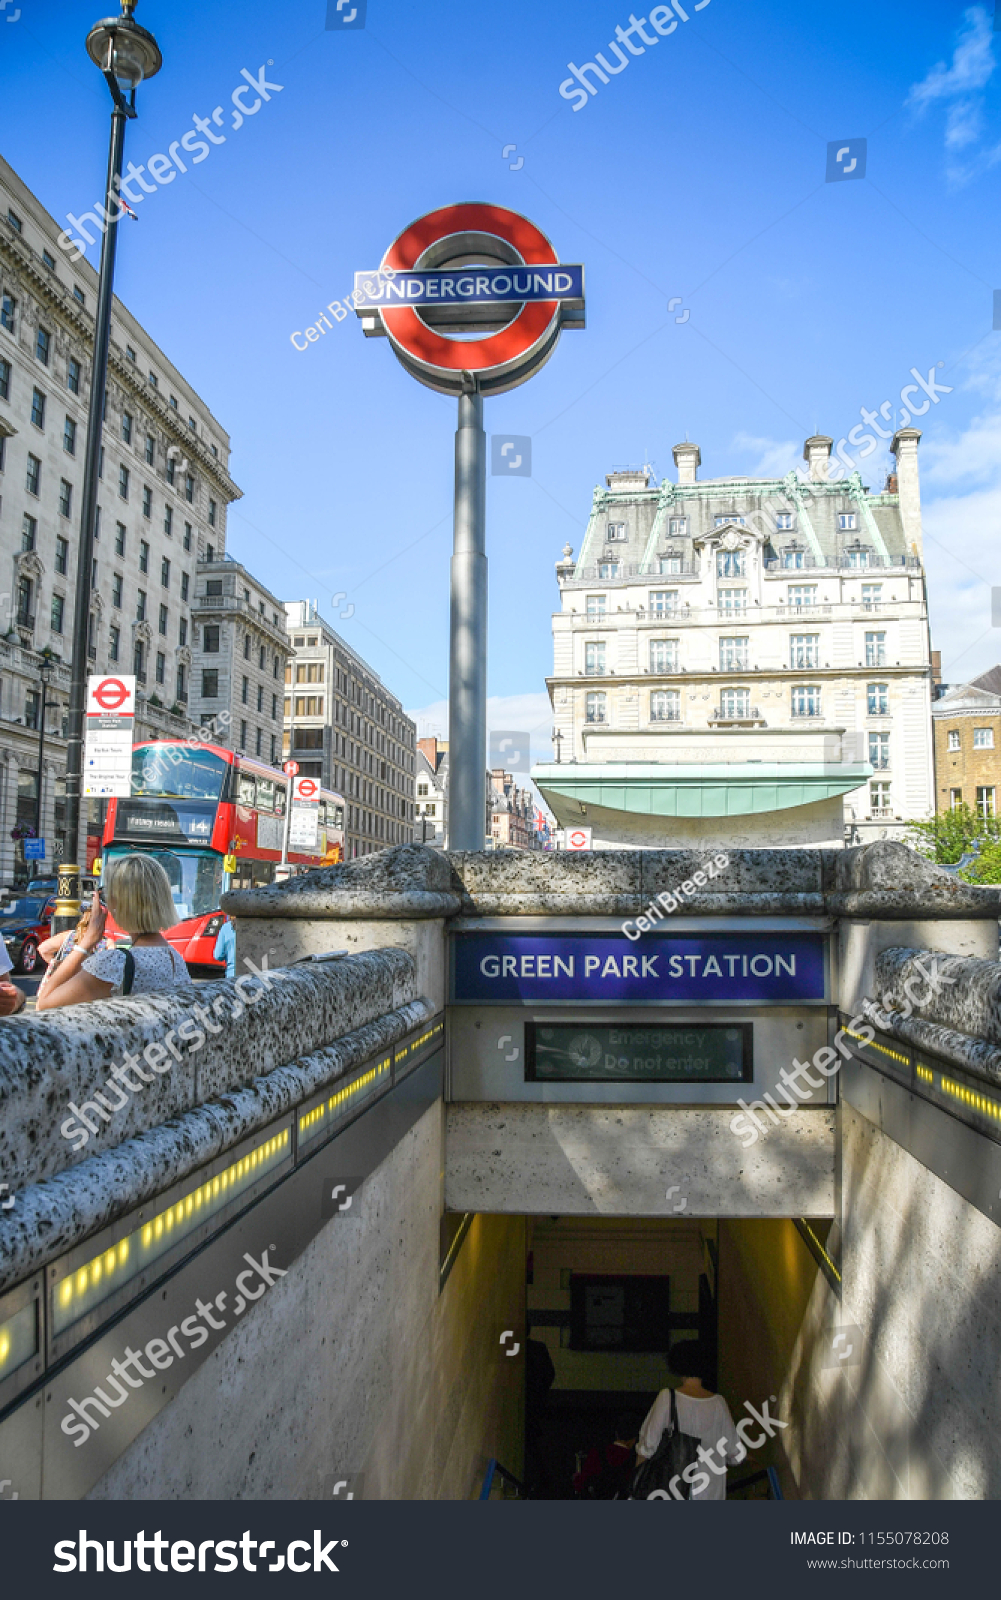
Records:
x=471, y=297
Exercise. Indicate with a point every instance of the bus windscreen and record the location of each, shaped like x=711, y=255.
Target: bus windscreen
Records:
x=195, y=877
x=178, y=771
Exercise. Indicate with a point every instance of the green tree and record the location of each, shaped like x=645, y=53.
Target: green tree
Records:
x=948, y=835
x=986, y=868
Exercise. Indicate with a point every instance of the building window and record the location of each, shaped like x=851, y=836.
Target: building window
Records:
x=173, y=401
x=732, y=599
x=730, y=563
x=954, y=739
x=150, y=450
x=983, y=738
x=79, y=295
x=33, y=475
x=871, y=596
x=422, y=788
x=25, y=598
x=8, y=306
x=57, y=613
x=806, y=700
x=615, y=530
x=189, y=488
x=804, y=650
x=245, y=694
x=986, y=802
x=596, y=605
x=210, y=638
x=65, y=497
x=879, y=800
x=878, y=699
x=609, y=569
x=126, y=427
x=165, y=572
x=38, y=408
x=143, y=555
x=783, y=520
x=793, y=556
x=594, y=659
x=274, y=708
x=677, y=527
x=154, y=380
x=43, y=346
x=210, y=683
x=665, y=705
x=879, y=751
x=4, y=380
x=161, y=666
x=875, y=649
x=260, y=697
x=670, y=563
x=140, y=605
x=663, y=655
x=182, y=631
x=846, y=521
x=857, y=557
x=168, y=521
x=162, y=621
x=73, y=376
x=735, y=703
x=210, y=552
x=139, y=661
x=663, y=602
x=262, y=658
x=115, y=645
x=182, y=687
x=595, y=709
x=184, y=585
x=147, y=501
x=802, y=594
x=258, y=737
x=119, y=538
x=62, y=552
x=171, y=469
x=187, y=536
x=100, y=462
x=123, y=483
x=116, y=590
x=243, y=736
x=721, y=522
x=192, y=424
x=733, y=654
x=212, y=510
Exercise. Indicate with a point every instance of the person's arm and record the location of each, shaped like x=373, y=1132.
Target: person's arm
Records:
x=69, y=985
x=655, y=1422
x=51, y=946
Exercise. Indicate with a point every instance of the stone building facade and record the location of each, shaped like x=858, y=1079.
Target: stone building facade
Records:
x=240, y=653
x=744, y=661
x=163, y=497
x=344, y=727
x=967, y=724
x=512, y=813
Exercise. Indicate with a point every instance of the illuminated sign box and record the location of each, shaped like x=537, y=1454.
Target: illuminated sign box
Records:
x=691, y=1052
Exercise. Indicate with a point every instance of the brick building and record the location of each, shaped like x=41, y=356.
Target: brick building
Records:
x=967, y=727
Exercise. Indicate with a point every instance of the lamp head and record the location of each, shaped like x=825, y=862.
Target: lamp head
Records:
x=125, y=52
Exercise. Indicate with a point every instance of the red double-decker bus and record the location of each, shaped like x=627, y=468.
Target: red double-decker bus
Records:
x=215, y=821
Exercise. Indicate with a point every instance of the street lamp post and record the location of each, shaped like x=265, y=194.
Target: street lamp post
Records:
x=125, y=54
x=46, y=667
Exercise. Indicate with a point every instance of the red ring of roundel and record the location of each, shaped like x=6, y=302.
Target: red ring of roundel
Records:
x=519, y=336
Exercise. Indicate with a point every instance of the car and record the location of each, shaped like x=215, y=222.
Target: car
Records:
x=24, y=923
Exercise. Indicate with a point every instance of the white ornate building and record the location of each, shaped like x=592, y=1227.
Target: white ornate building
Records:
x=744, y=661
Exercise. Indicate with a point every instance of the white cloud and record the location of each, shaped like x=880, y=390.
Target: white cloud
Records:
x=529, y=714
x=959, y=87
x=772, y=458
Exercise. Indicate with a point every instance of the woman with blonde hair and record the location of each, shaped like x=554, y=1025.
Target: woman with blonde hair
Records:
x=141, y=903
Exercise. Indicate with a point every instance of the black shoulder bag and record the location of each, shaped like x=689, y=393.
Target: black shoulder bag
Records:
x=129, y=975
x=661, y=1475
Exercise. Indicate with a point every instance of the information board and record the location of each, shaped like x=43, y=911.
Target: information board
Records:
x=569, y=1052
x=109, y=723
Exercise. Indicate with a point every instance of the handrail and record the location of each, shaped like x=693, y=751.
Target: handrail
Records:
x=494, y=1469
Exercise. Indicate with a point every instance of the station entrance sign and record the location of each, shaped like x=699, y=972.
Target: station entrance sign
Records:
x=109, y=721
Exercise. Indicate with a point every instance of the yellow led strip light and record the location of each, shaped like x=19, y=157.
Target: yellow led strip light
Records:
x=870, y=1044
x=100, y=1277
x=425, y=1038
x=987, y=1106
x=314, y=1122
x=18, y=1339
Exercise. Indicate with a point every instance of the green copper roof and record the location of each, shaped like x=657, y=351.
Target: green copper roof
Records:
x=715, y=789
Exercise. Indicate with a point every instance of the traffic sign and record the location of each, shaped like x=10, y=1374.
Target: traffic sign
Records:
x=578, y=838
x=514, y=305
x=290, y=768
x=111, y=696
x=306, y=789
x=34, y=849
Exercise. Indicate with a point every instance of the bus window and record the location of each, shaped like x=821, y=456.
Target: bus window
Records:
x=178, y=771
x=247, y=789
x=265, y=794
x=338, y=816
x=195, y=878
x=281, y=793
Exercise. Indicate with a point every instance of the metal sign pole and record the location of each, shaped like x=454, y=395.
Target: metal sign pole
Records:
x=467, y=682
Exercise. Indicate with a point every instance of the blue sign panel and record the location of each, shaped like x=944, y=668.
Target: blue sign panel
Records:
x=471, y=286
x=607, y=968
x=34, y=849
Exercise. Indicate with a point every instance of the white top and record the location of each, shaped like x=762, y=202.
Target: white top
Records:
x=157, y=968
x=710, y=1422
x=6, y=964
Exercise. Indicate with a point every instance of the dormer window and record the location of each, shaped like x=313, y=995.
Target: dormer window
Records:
x=857, y=555
x=794, y=556
x=678, y=527
x=615, y=530
x=783, y=520
x=847, y=521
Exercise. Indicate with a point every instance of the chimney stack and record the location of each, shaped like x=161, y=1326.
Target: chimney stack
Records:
x=905, y=447
x=817, y=453
x=687, y=458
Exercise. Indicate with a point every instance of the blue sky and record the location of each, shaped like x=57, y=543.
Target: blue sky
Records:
x=698, y=172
